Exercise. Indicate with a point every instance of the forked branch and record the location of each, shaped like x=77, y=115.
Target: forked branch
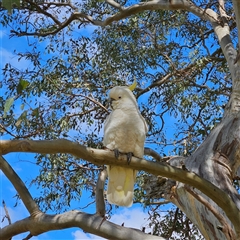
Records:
x=91, y=223
x=100, y=157
x=123, y=13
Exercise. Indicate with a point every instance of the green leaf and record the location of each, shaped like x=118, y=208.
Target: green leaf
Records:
x=22, y=85
x=9, y=4
x=8, y=105
x=35, y=112
x=22, y=106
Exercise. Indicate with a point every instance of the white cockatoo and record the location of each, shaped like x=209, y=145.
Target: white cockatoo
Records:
x=125, y=132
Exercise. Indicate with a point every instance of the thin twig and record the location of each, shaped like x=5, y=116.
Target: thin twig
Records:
x=28, y=236
x=6, y=212
x=40, y=10
x=174, y=223
x=5, y=129
x=93, y=100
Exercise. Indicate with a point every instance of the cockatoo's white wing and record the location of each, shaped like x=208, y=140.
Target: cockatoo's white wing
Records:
x=125, y=130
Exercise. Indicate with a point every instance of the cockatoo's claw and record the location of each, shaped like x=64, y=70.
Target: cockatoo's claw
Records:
x=116, y=153
x=129, y=157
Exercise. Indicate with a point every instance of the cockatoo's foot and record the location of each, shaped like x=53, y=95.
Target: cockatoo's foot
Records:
x=116, y=153
x=129, y=157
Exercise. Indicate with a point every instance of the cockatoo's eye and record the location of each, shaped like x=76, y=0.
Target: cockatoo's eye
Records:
x=119, y=97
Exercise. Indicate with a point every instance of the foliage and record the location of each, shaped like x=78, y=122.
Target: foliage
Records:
x=174, y=225
x=62, y=93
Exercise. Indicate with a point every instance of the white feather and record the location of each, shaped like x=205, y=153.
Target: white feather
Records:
x=125, y=130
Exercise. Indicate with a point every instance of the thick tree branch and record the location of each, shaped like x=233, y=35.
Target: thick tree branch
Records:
x=23, y=192
x=100, y=202
x=223, y=35
x=107, y=157
x=90, y=223
x=236, y=7
x=114, y=4
x=222, y=32
x=39, y=222
x=205, y=14
x=162, y=5
x=222, y=9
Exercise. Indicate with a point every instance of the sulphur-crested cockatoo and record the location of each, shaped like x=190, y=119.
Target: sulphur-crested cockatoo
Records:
x=124, y=131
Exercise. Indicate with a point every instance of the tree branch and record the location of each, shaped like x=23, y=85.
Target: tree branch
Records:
x=23, y=192
x=223, y=35
x=152, y=153
x=162, y=5
x=100, y=202
x=40, y=10
x=222, y=9
x=90, y=223
x=179, y=72
x=114, y=4
x=6, y=213
x=205, y=14
x=74, y=16
x=236, y=7
x=222, y=32
x=100, y=157
x=94, y=101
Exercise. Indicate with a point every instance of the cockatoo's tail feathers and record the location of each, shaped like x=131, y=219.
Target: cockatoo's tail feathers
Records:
x=120, y=185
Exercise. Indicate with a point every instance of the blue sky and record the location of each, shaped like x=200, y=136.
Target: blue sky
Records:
x=25, y=167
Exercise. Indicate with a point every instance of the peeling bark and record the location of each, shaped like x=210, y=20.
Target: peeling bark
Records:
x=217, y=161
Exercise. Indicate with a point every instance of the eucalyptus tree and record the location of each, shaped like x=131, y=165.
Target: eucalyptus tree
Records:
x=183, y=55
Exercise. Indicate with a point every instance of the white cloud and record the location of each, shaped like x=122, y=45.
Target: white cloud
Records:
x=134, y=218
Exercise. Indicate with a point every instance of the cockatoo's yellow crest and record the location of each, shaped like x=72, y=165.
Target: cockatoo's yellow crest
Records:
x=133, y=86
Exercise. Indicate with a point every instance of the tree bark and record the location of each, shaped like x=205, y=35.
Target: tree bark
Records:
x=202, y=176
x=217, y=161
x=91, y=223
x=39, y=222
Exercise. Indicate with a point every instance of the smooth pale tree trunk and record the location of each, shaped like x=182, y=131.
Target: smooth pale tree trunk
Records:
x=216, y=160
